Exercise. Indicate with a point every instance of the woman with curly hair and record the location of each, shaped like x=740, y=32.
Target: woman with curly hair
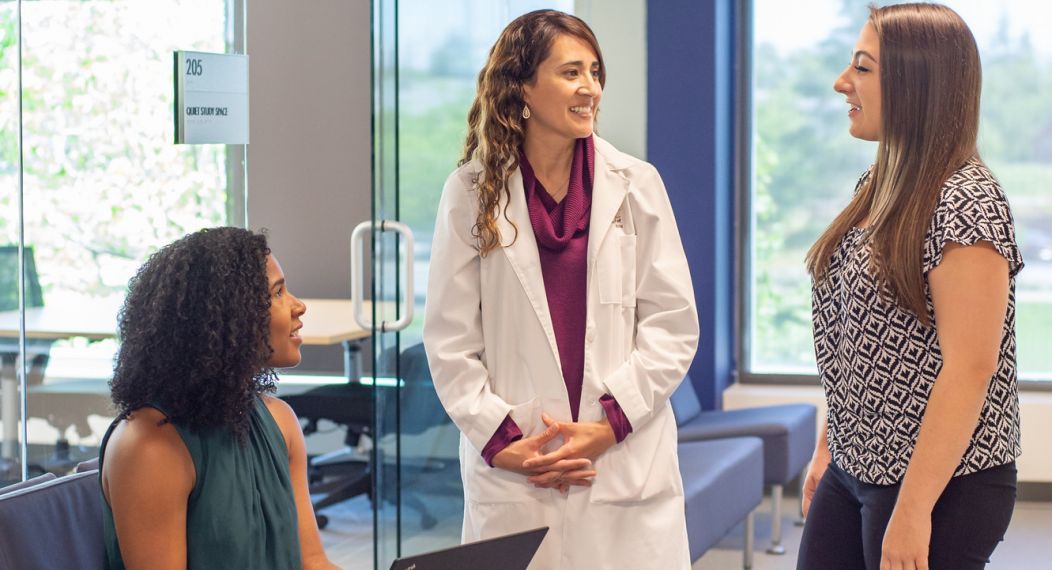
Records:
x=914, y=310
x=202, y=468
x=560, y=314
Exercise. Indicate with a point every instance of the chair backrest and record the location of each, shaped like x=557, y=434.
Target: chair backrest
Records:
x=9, y=279
x=88, y=465
x=28, y=483
x=685, y=403
x=421, y=408
x=419, y=398
x=57, y=524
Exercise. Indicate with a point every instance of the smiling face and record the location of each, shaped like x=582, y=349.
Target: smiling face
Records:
x=860, y=83
x=564, y=94
x=285, y=324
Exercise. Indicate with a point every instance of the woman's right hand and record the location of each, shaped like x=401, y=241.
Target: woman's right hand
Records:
x=565, y=472
x=819, y=464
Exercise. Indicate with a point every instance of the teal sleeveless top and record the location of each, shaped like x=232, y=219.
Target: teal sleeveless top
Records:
x=241, y=512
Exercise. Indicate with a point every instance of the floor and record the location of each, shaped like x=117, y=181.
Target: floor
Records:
x=348, y=539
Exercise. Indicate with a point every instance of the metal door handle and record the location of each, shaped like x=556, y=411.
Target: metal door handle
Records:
x=358, y=275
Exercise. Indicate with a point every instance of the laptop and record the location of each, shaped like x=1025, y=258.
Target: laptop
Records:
x=509, y=552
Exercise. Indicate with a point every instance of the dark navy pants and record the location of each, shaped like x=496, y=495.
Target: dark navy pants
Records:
x=847, y=519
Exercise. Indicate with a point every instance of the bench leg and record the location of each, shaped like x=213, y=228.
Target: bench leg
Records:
x=800, y=516
x=747, y=551
x=776, y=521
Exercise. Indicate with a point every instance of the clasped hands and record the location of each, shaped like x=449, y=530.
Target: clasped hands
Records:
x=569, y=465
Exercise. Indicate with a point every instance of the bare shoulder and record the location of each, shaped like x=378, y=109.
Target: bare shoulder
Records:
x=145, y=447
x=286, y=419
x=281, y=410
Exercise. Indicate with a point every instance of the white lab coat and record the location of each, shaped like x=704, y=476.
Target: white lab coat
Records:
x=491, y=347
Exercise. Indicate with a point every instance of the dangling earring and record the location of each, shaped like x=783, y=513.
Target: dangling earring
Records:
x=525, y=111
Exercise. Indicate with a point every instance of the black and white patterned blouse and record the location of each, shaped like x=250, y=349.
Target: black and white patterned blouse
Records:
x=878, y=363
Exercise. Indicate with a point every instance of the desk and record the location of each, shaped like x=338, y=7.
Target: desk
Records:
x=95, y=320
x=327, y=322
x=331, y=321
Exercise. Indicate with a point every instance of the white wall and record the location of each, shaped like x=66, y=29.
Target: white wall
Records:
x=620, y=26
x=1035, y=465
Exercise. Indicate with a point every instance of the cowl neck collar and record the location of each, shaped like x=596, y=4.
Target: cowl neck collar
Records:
x=556, y=223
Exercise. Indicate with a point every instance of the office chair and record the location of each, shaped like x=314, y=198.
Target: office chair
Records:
x=350, y=405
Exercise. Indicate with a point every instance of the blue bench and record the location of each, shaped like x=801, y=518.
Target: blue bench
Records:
x=787, y=431
x=722, y=485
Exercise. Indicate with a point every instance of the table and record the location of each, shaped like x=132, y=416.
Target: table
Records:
x=96, y=320
x=327, y=322
x=331, y=321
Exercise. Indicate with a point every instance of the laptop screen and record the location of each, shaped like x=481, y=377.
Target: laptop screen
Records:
x=509, y=552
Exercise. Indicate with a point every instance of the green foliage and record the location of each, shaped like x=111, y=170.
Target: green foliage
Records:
x=433, y=124
x=806, y=164
x=1032, y=323
x=103, y=183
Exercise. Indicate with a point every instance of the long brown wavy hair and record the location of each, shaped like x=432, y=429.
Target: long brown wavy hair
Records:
x=930, y=85
x=496, y=129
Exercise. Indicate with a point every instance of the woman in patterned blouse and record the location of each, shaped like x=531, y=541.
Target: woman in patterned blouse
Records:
x=914, y=317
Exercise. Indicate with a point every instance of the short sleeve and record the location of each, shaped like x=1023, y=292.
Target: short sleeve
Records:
x=972, y=208
x=862, y=180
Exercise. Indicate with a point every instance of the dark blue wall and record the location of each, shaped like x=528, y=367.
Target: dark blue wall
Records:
x=690, y=139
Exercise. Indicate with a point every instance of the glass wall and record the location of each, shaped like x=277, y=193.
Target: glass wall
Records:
x=10, y=404
x=429, y=56
x=804, y=162
x=102, y=186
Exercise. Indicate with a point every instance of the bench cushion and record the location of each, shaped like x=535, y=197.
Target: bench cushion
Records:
x=722, y=484
x=27, y=483
x=685, y=403
x=787, y=431
x=56, y=524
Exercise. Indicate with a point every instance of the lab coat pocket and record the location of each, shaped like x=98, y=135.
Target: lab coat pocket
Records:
x=628, y=270
x=609, y=271
x=488, y=485
x=527, y=416
x=617, y=270
x=638, y=470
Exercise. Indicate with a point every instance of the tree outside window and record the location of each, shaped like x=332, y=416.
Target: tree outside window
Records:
x=805, y=164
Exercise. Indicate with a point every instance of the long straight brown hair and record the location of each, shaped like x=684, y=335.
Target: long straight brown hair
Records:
x=930, y=84
x=496, y=128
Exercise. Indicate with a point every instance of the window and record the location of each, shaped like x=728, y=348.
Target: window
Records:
x=439, y=62
x=805, y=164
x=102, y=184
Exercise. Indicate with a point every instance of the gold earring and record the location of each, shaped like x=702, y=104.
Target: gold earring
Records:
x=525, y=111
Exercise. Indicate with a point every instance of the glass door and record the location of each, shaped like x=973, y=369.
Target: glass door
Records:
x=426, y=58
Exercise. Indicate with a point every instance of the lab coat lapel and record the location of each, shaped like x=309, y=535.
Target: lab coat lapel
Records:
x=524, y=257
x=608, y=193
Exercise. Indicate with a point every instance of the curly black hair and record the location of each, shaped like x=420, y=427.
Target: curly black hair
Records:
x=194, y=331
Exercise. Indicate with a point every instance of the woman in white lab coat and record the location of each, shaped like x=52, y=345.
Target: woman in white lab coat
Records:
x=560, y=315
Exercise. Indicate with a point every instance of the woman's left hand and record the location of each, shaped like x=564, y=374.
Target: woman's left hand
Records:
x=587, y=440
x=906, y=541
